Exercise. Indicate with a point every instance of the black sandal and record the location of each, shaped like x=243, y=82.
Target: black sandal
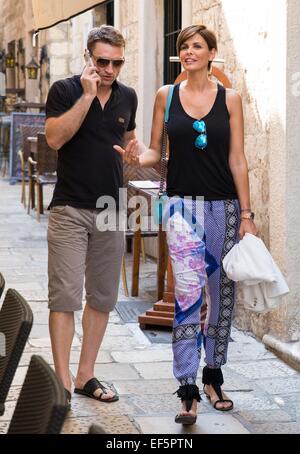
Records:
x=187, y=393
x=214, y=377
x=91, y=386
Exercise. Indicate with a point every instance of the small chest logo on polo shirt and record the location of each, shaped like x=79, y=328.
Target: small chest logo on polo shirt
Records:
x=121, y=120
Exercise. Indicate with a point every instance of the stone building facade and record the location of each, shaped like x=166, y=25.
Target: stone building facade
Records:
x=258, y=43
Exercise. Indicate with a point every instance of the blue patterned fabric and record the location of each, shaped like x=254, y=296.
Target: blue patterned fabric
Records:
x=199, y=235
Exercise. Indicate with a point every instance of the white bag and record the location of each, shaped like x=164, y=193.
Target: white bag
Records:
x=250, y=262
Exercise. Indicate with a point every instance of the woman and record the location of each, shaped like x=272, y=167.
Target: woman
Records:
x=206, y=144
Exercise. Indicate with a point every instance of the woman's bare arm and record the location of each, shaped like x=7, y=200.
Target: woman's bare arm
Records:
x=136, y=153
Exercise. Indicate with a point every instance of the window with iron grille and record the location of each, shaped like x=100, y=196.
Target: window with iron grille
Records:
x=172, y=27
x=110, y=12
x=104, y=14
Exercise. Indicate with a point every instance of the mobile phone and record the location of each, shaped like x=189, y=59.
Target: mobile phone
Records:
x=87, y=58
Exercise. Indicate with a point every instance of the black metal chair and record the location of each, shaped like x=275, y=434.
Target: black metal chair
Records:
x=42, y=406
x=15, y=325
x=2, y=284
x=24, y=154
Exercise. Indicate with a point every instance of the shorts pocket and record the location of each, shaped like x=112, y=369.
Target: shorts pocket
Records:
x=58, y=208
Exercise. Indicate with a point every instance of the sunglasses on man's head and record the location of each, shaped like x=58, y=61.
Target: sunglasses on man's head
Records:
x=104, y=62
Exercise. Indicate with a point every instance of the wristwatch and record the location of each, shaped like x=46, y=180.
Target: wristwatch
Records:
x=248, y=215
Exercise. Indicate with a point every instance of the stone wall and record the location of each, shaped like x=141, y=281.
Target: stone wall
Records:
x=17, y=23
x=291, y=211
x=58, y=45
x=1, y=25
x=13, y=17
x=13, y=25
x=128, y=26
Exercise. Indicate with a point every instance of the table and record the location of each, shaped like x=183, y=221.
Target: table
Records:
x=163, y=310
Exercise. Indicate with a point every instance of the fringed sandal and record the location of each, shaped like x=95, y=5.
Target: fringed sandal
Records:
x=214, y=377
x=187, y=393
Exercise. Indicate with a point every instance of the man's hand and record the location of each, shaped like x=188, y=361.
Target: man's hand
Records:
x=131, y=154
x=90, y=80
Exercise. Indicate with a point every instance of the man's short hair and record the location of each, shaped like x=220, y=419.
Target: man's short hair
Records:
x=105, y=34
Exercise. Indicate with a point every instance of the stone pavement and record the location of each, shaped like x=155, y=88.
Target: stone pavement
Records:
x=266, y=392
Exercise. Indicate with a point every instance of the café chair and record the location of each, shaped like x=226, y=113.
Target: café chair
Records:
x=46, y=165
x=16, y=320
x=2, y=284
x=24, y=153
x=42, y=405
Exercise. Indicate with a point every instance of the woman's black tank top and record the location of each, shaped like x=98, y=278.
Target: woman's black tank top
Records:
x=192, y=171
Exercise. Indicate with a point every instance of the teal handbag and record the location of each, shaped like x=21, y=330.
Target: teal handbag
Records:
x=162, y=197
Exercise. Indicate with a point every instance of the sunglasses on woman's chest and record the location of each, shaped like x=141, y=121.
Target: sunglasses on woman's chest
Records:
x=201, y=140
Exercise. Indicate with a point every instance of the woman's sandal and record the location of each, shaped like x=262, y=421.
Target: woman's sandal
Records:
x=214, y=377
x=91, y=386
x=187, y=393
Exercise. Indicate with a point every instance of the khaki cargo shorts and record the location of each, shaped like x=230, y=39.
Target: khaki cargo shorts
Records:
x=77, y=250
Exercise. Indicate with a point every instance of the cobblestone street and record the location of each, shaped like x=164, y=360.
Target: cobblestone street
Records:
x=265, y=391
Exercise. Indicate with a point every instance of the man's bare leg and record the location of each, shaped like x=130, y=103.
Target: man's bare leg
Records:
x=61, y=327
x=94, y=325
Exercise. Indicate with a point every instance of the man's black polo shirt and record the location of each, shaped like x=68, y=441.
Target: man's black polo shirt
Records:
x=88, y=166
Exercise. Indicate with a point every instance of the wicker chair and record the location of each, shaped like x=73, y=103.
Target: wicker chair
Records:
x=24, y=154
x=133, y=173
x=46, y=165
x=42, y=406
x=2, y=284
x=15, y=324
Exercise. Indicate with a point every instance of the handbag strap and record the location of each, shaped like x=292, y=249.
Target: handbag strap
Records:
x=163, y=162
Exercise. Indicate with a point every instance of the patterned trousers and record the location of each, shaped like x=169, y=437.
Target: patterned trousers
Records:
x=199, y=235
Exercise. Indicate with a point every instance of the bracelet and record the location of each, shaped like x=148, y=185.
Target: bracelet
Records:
x=248, y=216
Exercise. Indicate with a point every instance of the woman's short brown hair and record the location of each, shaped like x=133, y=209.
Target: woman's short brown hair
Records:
x=105, y=34
x=188, y=32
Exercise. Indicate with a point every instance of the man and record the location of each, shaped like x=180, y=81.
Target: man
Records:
x=86, y=117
